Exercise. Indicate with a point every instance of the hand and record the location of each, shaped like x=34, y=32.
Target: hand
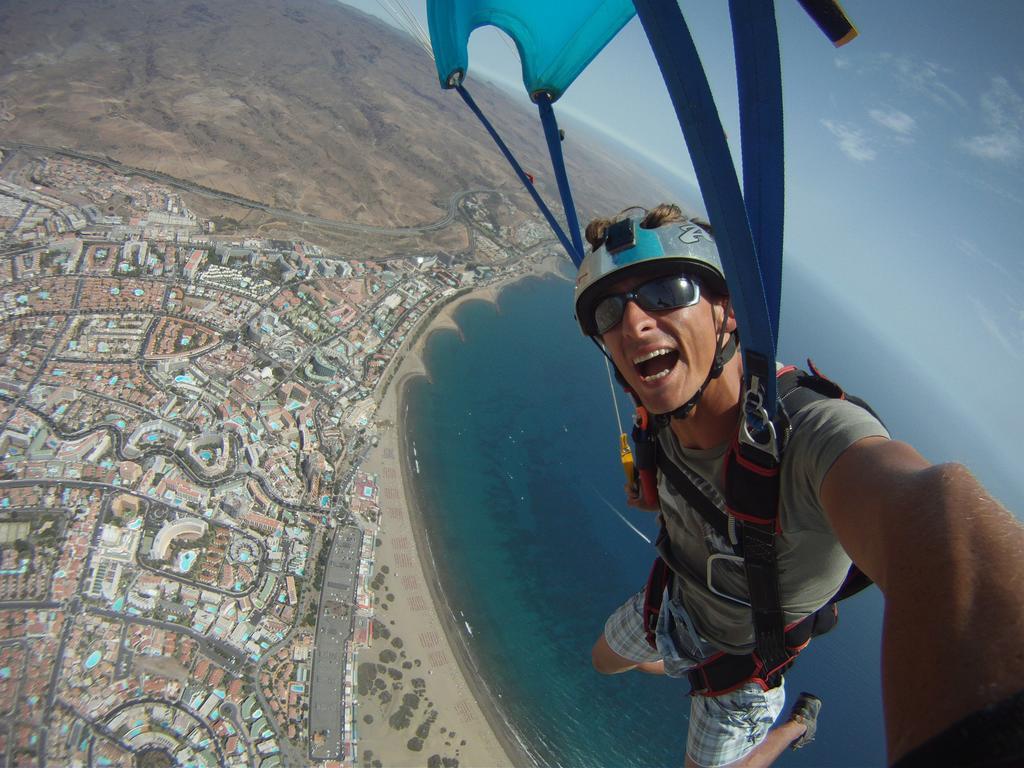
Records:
x=635, y=500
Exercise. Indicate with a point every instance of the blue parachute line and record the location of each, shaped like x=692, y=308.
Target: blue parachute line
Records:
x=554, y=140
x=577, y=256
x=759, y=77
x=691, y=96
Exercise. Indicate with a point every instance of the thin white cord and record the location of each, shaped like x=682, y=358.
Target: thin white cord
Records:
x=615, y=402
x=405, y=19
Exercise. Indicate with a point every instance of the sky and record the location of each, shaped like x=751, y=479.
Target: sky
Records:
x=904, y=160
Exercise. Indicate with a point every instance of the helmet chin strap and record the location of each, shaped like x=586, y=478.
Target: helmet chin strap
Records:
x=723, y=354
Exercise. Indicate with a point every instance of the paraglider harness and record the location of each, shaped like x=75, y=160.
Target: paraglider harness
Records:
x=752, y=480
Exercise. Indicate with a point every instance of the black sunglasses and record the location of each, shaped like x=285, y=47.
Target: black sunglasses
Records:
x=657, y=295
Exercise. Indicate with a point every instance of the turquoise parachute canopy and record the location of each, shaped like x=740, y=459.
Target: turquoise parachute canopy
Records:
x=557, y=39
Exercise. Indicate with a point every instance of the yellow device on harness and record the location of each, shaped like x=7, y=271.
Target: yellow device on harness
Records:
x=627, y=459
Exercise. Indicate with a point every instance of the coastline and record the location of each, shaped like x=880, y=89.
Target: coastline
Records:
x=482, y=736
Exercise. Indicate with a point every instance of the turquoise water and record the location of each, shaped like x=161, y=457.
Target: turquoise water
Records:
x=186, y=560
x=518, y=438
x=93, y=660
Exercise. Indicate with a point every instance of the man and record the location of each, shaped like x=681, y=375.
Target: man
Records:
x=945, y=555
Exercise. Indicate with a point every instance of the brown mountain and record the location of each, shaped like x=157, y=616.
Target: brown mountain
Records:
x=303, y=104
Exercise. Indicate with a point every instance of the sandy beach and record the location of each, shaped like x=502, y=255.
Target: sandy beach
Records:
x=462, y=719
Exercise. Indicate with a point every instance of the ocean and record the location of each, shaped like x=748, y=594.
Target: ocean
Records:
x=517, y=443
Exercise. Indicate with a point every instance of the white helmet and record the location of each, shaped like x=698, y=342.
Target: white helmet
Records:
x=629, y=248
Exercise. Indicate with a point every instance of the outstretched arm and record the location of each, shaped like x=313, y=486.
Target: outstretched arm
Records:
x=949, y=560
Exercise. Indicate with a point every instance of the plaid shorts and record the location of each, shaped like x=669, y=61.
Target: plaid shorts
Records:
x=625, y=634
x=727, y=728
x=723, y=729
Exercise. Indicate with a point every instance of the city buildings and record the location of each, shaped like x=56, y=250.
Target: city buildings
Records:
x=185, y=537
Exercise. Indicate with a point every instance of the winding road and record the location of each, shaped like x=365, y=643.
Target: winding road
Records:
x=282, y=213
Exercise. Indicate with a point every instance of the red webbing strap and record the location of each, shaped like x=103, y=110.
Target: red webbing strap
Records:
x=657, y=582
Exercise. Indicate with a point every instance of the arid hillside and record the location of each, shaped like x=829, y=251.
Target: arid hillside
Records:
x=302, y=104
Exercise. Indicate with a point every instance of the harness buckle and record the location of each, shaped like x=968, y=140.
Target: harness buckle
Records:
x=757, y=430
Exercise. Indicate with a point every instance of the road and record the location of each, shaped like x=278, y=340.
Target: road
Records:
x=281, y=213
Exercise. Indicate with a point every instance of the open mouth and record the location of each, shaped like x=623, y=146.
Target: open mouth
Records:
x=655, y=365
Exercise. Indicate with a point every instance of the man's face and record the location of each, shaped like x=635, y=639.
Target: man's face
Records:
x=664, y=355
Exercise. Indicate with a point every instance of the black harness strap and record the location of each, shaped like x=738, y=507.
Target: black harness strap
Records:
x=695, y=497
x=762, y=572
x=725, y=672
x=751, y=479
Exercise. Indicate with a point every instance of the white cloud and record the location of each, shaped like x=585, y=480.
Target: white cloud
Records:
x=925, y=78
x=974, y=253
x=1002, y=110
x=994, y=146
x=895, y=120
x=1007, y=191
x=1006, y=335
x=999, y=310
x=852, y=141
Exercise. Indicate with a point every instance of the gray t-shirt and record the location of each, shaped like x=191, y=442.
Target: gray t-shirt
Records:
x=812, y=563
